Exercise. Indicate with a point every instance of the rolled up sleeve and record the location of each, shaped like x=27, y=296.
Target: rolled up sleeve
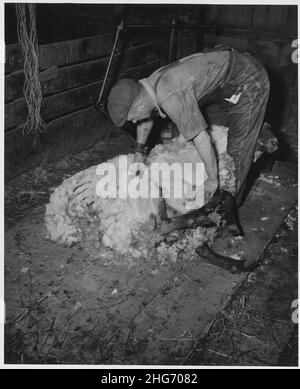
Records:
x=182, y=108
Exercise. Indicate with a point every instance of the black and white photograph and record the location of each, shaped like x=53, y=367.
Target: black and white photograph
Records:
x=150, y=198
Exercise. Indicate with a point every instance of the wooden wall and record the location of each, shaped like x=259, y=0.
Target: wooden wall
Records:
x=75, y=43
x=71, y=75
x=267, y=32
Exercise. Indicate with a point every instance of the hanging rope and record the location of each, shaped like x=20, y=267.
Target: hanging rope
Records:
x=32, y=90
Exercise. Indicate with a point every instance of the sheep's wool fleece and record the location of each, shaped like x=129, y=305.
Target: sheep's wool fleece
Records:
x=127, y=225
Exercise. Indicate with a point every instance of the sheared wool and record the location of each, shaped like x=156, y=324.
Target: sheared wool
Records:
x=113, y=222
x=180, y=151
x=127, y=225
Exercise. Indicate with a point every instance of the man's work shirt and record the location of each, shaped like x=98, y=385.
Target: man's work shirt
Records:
x=179, y=86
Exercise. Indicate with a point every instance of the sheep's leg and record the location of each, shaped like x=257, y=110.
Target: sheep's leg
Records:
x=227, y=263
x=162, y=212
x=192, y=219
x=231, y=218
x=268, y=145
x=268, y=160
x=212, y=203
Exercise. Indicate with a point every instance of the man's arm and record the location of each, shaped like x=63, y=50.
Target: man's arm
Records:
x=206, y=151
x=142, y=132
x=183, y=109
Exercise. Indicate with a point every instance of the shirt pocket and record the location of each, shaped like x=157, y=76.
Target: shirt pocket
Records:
x=228, y=91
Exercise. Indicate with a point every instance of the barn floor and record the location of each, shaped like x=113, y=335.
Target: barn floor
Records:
x=63, y=306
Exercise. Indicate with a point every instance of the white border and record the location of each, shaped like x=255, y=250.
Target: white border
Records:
x=124, y=367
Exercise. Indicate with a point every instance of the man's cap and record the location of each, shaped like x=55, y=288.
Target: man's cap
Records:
x=120, y=99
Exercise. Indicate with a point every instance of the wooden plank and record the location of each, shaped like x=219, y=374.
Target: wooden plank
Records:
x=14, y=85
x=53, y=106
x=14, y=59
x=138, y=72
x=48, y=74
x=15, y=113
x=236, y=15
x=142, y=54
x=60, y=104
x=236, y=43
x=292, y=20
x=21, y=153
x=270, y=18
x=101, y=13
x=62, y=53
x=209, y=41
x=78, y=50
x=83, y=73
x=211, y=13
x=69, y=134
x=67, y=78
x=242, y=33
x=269, y=53
x=139, y=37
x=75, y=132
x=164, y=51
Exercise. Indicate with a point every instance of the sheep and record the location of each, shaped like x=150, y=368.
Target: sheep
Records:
x=128, y=225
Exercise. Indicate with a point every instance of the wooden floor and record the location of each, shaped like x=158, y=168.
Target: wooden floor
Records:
x=64, y=307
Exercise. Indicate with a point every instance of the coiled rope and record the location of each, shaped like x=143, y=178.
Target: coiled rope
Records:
x=32, y=90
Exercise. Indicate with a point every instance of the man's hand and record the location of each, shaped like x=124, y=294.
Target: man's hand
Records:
x=139, y=158
x=138, y=165
x=210, y=186
x=143, y=130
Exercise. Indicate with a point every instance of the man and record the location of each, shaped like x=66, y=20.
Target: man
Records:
x=236, y=82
